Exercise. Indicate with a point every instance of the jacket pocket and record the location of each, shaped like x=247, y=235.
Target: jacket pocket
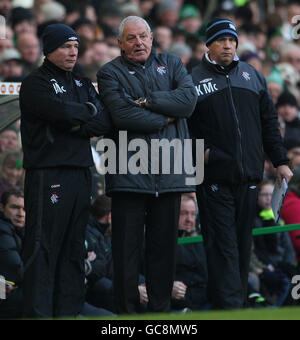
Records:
x=216, y=155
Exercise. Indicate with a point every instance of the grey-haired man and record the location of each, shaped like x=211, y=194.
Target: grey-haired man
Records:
x=149, y=95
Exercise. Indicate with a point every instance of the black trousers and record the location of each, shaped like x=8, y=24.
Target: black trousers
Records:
x=57, y=203
x=130, y=214
x=227, y=216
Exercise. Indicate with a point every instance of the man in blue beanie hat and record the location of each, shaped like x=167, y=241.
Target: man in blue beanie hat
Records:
x=236, y=118
x=59, y=114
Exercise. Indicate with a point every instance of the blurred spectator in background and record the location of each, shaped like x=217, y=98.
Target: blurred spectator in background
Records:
x=29, y=47
x=111, y=16
x=23, y=20
x=190, y=19
x=99, y=280
x=101, y=52
x=163, y=36
x=183, y=51
x=5, y=7
x=167, y=13
x=288, y=111
x=293, y=148
x=52, y=10
x=5, y=43
x=290, y=77
x=84, y=28
x=291, y=210
x=252, y=59
x=199, y=49
x=291, y=55
x=11, y=65
x=190, y=285
x=275, y=86
x=9, y=139
x=12, y=172
x=275, y=251
x=12, y=222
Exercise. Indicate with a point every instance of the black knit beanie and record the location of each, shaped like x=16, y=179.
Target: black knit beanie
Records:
x=56, y=35
x=220, y=27
x=286, y=98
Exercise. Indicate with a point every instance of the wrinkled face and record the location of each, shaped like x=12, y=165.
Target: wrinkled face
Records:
x=265, y=196
x=136, y=42
x=223, y=50
x=65, y=56
x=14, y=211
x=187, y=219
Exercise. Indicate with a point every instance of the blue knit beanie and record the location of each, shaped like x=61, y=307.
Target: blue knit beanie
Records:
x=56, y=35
x=220, y=27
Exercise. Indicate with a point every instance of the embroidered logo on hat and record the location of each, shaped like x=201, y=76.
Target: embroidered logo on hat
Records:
x=73, y=38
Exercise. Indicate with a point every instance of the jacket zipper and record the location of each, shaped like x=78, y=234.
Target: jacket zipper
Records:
x=237, y=122
x=147, y=92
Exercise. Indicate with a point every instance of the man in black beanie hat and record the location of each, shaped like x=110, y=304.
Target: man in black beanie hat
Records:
x=237, y=120
x=59, y=114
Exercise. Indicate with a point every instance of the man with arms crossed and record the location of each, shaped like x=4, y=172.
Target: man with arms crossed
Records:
x=149, y=96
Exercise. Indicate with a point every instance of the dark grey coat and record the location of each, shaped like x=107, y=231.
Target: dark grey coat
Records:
x=170, y=92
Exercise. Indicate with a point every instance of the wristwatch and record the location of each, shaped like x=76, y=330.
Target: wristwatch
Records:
x=142, y=100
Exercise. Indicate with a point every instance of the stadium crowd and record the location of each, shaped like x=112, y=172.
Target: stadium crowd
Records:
x=269, y=40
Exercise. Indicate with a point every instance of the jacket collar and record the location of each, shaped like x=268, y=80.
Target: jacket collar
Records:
x=52, y=67
x=133, y=63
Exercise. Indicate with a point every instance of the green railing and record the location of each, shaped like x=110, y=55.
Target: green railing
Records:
x=255, y=232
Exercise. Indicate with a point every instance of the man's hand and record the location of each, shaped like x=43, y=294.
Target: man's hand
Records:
x=143, y=294
x=179, y=290
x=283, y=171
x=171, y=120
x=142, y=104
x=91, y=256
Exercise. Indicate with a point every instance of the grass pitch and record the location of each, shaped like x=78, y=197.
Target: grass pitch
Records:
x=292, y=313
